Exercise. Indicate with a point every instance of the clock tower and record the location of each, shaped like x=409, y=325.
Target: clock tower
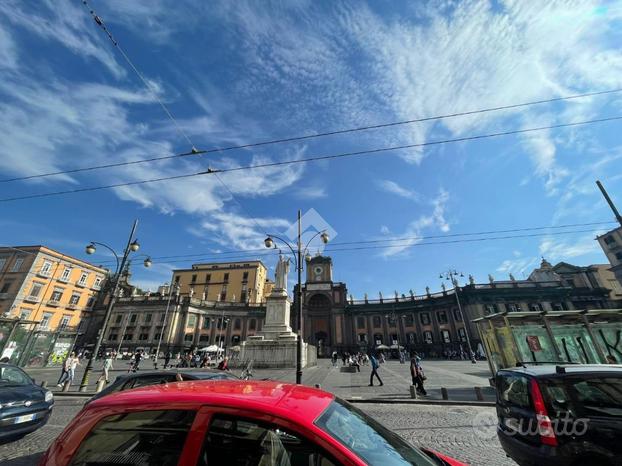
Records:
x=320, y=269
x=323, y=306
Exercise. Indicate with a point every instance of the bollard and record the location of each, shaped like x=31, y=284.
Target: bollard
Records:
x=444, y=393
x=100, y=385
x=66, y=386
x=478, y=394
x=44, y=384
x=317, y=385
x=413, y=392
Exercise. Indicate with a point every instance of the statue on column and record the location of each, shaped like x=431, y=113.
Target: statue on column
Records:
x=280, y=274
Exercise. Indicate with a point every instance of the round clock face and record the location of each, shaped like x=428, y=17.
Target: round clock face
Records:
x=317, y=270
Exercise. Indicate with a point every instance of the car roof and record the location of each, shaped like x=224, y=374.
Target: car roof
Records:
x=560, y=369
x=290, y=401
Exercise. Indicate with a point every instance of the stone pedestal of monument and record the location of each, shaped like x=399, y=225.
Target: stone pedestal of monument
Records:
x=275, y=345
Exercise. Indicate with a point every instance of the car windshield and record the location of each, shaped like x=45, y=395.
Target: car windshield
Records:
x=368, y=439
x=13, y=376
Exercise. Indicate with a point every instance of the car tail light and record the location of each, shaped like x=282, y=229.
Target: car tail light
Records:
x=545, y=426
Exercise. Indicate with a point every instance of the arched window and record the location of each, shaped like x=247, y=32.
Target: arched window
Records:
x=319, y=302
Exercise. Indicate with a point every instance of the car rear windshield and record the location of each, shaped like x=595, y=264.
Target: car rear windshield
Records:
x=155, y=438
x=587, y=395
x=368, y=439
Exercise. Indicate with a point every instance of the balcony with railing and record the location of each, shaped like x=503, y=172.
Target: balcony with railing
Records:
x=53, y=303
x=72, y=306
x=4, y=296
x=44, y=273
x=32, y=299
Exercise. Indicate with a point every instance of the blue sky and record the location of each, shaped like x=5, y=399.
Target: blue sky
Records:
x=240, y=72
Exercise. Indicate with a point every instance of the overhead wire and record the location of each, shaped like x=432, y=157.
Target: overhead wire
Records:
x=99, y=21
x=318, y=158
x=410, y=244
x=330, y=247
x=195, y=151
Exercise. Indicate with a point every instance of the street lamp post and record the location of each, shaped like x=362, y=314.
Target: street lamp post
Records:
x=269, y=242
x=451, y=275
x=132, y=246
x=168, y=303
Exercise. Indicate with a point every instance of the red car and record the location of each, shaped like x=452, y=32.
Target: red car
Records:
x=230, y=423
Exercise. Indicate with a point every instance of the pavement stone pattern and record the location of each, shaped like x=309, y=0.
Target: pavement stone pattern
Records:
x=448, y=429
x=459, y=377
x=467, y=433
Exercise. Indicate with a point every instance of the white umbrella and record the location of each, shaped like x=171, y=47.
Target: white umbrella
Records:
x=210, y=349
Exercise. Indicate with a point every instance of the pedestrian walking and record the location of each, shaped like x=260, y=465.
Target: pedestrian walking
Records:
x=374, y=370
x=106, y=366
x=137, y=357
x=416, y=372
x=69, y=373
x=64, y=374
x=167, y=358
x=343, y=358
x=334, y=357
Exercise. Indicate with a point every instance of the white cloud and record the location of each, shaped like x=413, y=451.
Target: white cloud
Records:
x=555, y=249
x=413, y=232
x=8, y=52
x=67, y=23
x=311, y=192
x=239, y=232
x=394, y=188
x=450, y=57
x=518, y=267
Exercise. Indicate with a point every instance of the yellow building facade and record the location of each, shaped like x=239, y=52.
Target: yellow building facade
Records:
x=242, y=282
x=43, y=285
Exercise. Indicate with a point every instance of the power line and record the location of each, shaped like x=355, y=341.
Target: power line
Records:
x=404, y=245
x=315, y=158
x=262, y=251
x=305, y=137
x=102, y=25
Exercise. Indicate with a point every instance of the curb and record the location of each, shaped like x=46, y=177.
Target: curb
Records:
x=487, y=404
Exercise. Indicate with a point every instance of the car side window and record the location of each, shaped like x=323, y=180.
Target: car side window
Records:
x=135, y=439
x=599, y=395
x=257, y=444
x=514, y=390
